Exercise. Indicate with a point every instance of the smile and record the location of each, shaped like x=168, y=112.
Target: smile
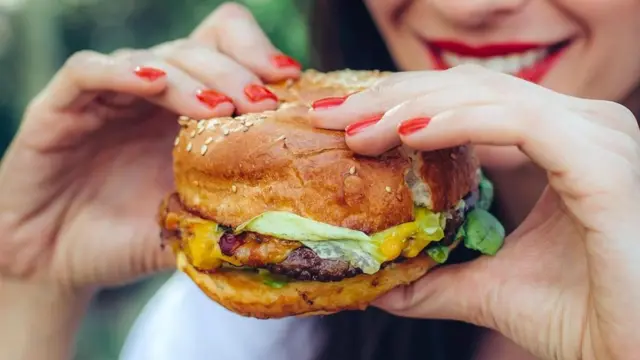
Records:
x=528, y=61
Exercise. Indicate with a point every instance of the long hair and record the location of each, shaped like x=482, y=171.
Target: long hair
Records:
x=343, y=35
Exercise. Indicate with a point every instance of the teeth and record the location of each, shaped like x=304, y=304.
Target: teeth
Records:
x=510, y=64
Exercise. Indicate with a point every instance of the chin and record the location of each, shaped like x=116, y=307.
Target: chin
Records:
x=271, y=217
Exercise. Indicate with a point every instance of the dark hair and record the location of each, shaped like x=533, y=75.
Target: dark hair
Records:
x=344, y=36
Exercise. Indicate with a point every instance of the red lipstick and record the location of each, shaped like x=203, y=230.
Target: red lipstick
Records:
x=484, y=51
x=534, y=73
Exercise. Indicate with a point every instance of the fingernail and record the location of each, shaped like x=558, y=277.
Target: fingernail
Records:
x=357, y=127
x=285, y=61
x=149, y=73
x=257, y=93
x=413, y=125
x=329, y=102
x=212, y=98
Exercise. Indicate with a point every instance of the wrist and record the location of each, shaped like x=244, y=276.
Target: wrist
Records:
x=39, y=320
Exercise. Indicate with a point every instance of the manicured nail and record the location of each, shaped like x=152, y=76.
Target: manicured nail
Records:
x=413, y=125
x=149, y=73
x=257, y=93
x=285, y=61
x=357, y=127
x=212, y=98
x=329, y=102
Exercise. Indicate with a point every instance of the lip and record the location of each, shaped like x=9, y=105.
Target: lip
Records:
x=485, y=51
x=534, y=73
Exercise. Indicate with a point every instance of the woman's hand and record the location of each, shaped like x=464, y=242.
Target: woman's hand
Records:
x=565, y=285
x=80, y=185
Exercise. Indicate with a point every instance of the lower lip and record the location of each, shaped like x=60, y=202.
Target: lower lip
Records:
x=534, y=73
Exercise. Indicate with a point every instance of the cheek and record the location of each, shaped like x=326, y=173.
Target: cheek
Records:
x=391, y=18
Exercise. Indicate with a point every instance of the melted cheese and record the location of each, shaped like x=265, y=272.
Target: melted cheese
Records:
x=201, y=245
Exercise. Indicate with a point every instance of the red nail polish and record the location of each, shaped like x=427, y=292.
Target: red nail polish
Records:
x=284, y=61
x=149, y=73
x=212, y=98
x=413, y=125
x=257, y=93
x=357, y=127
x=329, y=102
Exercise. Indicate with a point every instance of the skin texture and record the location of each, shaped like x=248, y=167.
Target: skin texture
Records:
x=600, y=63
x=585, y=216
x=80, y=184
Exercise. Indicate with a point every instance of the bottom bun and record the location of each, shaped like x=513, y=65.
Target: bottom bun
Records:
x=244, y=292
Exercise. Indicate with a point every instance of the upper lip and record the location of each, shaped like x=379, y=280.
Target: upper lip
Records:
x=487, y=50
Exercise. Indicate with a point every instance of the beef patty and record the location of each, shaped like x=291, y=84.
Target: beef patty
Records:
x=295, y=260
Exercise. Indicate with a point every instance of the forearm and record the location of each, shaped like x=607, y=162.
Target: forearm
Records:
x=38, y=322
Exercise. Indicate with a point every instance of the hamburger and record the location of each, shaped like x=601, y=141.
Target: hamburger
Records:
x=272, y=217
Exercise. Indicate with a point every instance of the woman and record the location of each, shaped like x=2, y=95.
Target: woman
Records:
x=80, y=183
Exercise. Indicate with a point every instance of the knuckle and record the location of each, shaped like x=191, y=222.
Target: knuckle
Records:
x=82, y=59
x=230, y=9
x=613, y=109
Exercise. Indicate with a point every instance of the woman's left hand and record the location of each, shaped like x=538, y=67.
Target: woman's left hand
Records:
x=565, y=284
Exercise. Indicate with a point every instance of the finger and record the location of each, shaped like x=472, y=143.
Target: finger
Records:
x=233, y=30
x=375, y=138
x=607, y=113
x=566, y=149
x=186, y=95
x=459, y=292
x=221, y=73
x=390, y=92
x=87, y=72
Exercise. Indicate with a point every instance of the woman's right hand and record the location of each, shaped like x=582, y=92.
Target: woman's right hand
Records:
x=81, y=182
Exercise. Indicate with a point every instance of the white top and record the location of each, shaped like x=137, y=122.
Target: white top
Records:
x=181, y=323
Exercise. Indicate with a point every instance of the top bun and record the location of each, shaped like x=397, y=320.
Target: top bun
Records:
x=232, y=169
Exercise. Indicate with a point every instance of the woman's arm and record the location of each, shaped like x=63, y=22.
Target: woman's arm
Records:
x=38, y=322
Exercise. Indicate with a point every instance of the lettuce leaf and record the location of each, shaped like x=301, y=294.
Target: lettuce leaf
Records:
x=338, y=243
x=289, y=226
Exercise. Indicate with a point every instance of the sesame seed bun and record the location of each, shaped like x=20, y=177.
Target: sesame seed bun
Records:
x=232, y=169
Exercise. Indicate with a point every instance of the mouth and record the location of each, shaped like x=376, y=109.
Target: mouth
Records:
x=527, y=61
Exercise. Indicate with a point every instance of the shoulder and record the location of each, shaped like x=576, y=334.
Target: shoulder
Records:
x=181, y=322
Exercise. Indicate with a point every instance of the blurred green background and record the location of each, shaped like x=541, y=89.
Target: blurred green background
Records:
x=36, y=36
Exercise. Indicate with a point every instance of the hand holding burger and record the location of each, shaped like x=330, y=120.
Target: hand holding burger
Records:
x=565, y=284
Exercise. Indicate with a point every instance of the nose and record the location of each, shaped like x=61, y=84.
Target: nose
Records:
x=476, y=13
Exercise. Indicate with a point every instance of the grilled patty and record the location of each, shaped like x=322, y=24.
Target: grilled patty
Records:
x=293, y=259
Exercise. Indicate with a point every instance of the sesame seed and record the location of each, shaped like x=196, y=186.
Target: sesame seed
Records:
x=189, y=146
x=211, y=125
x=281, y=137
x=225, y=132
x=215, y=122
x=176, y=141
x=234, y=188
x=248, y=123
x=200, y=130
x=193, y=133
x=183, y=118
x=203, y=149
x=208, y=141
x=200, y=124
x=352, y=170
x=387, y=189
x=245, y=129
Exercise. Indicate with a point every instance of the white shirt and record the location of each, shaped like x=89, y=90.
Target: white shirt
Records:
x=181, y=323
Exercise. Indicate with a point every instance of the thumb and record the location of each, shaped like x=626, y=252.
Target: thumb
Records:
x=462, y=292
